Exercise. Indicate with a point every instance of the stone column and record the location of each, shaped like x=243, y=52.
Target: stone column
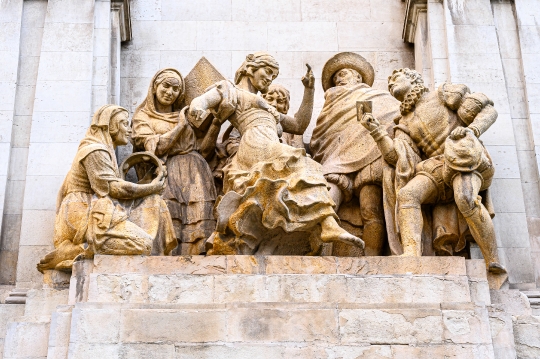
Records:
x=10, y=23
x=60, y=117
x=527, y=22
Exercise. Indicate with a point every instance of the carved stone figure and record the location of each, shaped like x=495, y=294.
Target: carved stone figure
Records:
x=351, y=161
x=439, y=159
x=97, y=211
x=271, y=189
x=160, y=127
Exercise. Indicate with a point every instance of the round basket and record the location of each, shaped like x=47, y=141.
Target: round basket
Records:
x=140, y=157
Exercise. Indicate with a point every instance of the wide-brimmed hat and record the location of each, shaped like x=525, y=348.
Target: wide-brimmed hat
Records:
x=345, y=60
x=464, y=154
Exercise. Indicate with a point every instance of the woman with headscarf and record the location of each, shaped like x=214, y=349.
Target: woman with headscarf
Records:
x=272, y=190
x=97, y=211
x=160, y=127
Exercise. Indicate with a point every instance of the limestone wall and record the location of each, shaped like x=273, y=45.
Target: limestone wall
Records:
x=171, y=33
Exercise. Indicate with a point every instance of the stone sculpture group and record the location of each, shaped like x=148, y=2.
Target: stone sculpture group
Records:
x=386, y=173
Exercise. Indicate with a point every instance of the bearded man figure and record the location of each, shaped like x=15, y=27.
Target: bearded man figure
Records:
x=352, y=163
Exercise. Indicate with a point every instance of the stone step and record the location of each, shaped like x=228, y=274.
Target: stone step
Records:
x=8, y=313
x=27, y=338
x=277, y=324
x=319, y=288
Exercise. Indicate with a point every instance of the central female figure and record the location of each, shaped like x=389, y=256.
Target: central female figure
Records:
x=272, y=190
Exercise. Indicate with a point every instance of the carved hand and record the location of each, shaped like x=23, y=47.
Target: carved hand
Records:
x=460, y=132
x=308, y=80
x=369, y=122
x=158, y=183
x=197, y=110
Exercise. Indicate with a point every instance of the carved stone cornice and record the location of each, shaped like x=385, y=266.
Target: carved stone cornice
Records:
x=414, y=7
x=125, y=18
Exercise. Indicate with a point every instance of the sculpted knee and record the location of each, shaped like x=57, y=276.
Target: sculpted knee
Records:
x=465, y=202
x=407, y=198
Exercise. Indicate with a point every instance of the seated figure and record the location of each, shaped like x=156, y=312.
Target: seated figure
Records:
x=438, y=159
x=100, y=213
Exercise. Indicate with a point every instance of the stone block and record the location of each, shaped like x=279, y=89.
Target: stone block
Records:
x=206, y=10
x=160, y=265
x=391, y=326
x=132, y=288
x=24, y=101
x=70, y=11
x=51, y=96
x=387, y=11
x=10, y=35
x=60, y=333
x=518, y=263
x=464, y=39
x=141, y=63
x=486, y=68
x=221, y=35
x=529, y=39
x=511, y=229
x=245, y=264
x=337, y=11
x=58, y=66
x=9, y=61
x=303, y=36
x=43, y=302
x=87, y=325
x=26, y=340
x=8, y=258
x=41, y=192
x=11, y=230
x=466, y=326
x=228, y=351
x=242, y=288
x=401, y=265
x=507, y=195
x=69, y=127
x=502, y=335
x=502, y=132
x=154, y=351
x=146, y=10
x=9, y=313
x=509, y=43
x=28, y=258
x=384, y=36
x=527, y=336
x=93, y=350
x=512, y=301
x=4, y=158
x=59, y=37
x=146, y=36
x=6, y=125
x=442, y=351
x=180, y=289
x=7, y=89
x=173, y=325
x=18, y=163
x=37, y=227
x=50, y=159
x=505, y=161
x=20, y=137
x=298, y=264
x=267, y=325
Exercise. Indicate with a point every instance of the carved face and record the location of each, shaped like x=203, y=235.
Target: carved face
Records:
x=263, y=77
x=399, y=85
x=346, y=77
x=167, y=91
x=121, y=137
x=468, y=110
x=278, y=100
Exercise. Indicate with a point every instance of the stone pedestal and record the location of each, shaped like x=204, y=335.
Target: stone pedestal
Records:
x=274, y=307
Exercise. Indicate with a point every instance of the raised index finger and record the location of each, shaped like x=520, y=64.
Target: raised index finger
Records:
x=308, y=67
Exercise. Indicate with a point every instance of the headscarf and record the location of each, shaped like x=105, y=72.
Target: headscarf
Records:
x=97, y=138
x=255, y=60
x=148, y=106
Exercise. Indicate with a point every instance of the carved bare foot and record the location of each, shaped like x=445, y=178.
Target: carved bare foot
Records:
x=48, y=262
x=332, y=232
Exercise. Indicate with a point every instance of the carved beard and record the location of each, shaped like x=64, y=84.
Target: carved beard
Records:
x=411, y=98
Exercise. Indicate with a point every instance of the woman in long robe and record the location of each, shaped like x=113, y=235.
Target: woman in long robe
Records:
x=97, y=211
x=159, y=126
x=268, y=185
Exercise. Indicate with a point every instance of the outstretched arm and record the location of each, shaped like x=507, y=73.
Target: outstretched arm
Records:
x=300, y=122
x=379, y=134
x=126, y=190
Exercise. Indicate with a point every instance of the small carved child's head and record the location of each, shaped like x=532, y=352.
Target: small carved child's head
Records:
x=279, y=97
x=347, y=77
